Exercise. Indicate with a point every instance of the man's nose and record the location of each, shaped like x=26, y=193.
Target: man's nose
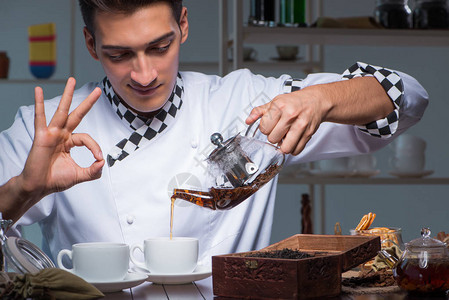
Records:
x=143, y=72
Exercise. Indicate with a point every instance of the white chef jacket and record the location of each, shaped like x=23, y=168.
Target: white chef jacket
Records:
x=131, y=200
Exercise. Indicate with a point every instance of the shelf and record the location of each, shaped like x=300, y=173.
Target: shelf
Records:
x=188, y=66
x=361, y=181
x=295, y=65
x=33, y=81
x=342, y=36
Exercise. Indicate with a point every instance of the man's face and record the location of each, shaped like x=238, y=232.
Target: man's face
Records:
x=139, y=53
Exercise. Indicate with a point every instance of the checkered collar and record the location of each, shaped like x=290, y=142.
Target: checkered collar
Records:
x=145, y=129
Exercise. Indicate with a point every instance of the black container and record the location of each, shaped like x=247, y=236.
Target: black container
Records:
x=431, y=14
x=262, y=13
x=393, y=14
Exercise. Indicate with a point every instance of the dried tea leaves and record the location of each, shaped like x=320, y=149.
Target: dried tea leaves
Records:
x=285, y=253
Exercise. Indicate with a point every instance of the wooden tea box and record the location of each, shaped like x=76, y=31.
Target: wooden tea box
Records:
x=239, y=276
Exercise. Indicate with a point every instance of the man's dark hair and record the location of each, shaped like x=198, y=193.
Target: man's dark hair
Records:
x=90, y=7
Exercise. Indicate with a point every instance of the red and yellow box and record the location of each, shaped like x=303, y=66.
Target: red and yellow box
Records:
x=42, y=46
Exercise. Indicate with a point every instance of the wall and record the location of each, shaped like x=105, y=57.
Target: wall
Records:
x=409, y=207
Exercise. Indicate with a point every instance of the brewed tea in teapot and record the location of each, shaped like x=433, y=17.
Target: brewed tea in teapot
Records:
x=239, y=167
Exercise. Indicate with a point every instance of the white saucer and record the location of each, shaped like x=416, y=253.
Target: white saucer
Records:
x=130, y=280
x=201, y=272
x=365, y=174
x=411, y=175
x=322, y=173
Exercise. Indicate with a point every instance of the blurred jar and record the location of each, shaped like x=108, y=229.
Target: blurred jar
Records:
x=431, y=14
x=262, y=13
x=393, y=14
x=389, y=236
x=292, y=13
x=4, y=65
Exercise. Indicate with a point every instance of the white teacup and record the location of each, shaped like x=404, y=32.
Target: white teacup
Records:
x=408, y=163
x=409, y=144
x=409, y=154
x=340, y=164
x=97, y=262
x=362, y=163
x=163, y=255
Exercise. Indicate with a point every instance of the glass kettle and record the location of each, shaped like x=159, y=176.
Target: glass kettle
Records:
x=236, y=168
x=423, y=267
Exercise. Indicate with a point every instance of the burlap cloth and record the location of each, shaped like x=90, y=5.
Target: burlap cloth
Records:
x=51, y=283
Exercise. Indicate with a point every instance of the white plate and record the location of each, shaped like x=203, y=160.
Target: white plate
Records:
x=201, y=272
x=369, y=173
x=411, y=175
x=331, y=173
x=130, y=280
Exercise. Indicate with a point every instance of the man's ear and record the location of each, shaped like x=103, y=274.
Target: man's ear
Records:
x=184, y=25
x=90, y=43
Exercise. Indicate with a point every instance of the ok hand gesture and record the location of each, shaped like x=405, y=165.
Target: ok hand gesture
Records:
x=49, y=167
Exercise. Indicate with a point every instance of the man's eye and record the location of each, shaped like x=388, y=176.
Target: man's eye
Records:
x=118, y=57
x=162, y=48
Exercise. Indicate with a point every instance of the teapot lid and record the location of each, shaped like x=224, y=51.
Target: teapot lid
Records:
x=21, y=255
x=425, y=241
x=222, y=147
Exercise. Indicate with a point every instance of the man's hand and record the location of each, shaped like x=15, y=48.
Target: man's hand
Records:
x=49, y=167
x=290, y=120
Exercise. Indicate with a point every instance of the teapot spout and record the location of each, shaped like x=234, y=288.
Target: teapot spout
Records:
x=204, y=199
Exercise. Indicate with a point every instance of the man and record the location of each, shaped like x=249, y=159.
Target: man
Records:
x=148, y=127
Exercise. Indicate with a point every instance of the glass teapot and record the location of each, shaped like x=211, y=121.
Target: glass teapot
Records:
x=236, y=168
x=423, y=266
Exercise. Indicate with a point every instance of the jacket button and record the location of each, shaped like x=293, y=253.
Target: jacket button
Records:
x=130, y=219
x=194, y=143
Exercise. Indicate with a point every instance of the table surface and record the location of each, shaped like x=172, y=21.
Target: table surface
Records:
x=203, y=290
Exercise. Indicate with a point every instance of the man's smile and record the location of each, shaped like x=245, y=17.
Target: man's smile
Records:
x=144, y=90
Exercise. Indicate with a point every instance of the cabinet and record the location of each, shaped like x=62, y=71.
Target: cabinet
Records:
x=315, y=39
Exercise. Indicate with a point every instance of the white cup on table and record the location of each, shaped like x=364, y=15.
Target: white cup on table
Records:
x=163, y=255
x=97, y=262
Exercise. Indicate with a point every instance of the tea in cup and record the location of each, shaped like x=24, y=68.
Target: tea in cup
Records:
x=165, y=255
x=97, y=262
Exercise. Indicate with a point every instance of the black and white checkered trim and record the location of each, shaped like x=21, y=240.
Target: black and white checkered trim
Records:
x=291, y=85
x=144, y=129
x=392, y=84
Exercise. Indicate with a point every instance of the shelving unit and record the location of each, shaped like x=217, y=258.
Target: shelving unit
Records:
x=260, y=35
x=315, y=39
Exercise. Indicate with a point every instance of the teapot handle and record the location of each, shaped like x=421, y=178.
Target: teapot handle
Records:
x=252, y=129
